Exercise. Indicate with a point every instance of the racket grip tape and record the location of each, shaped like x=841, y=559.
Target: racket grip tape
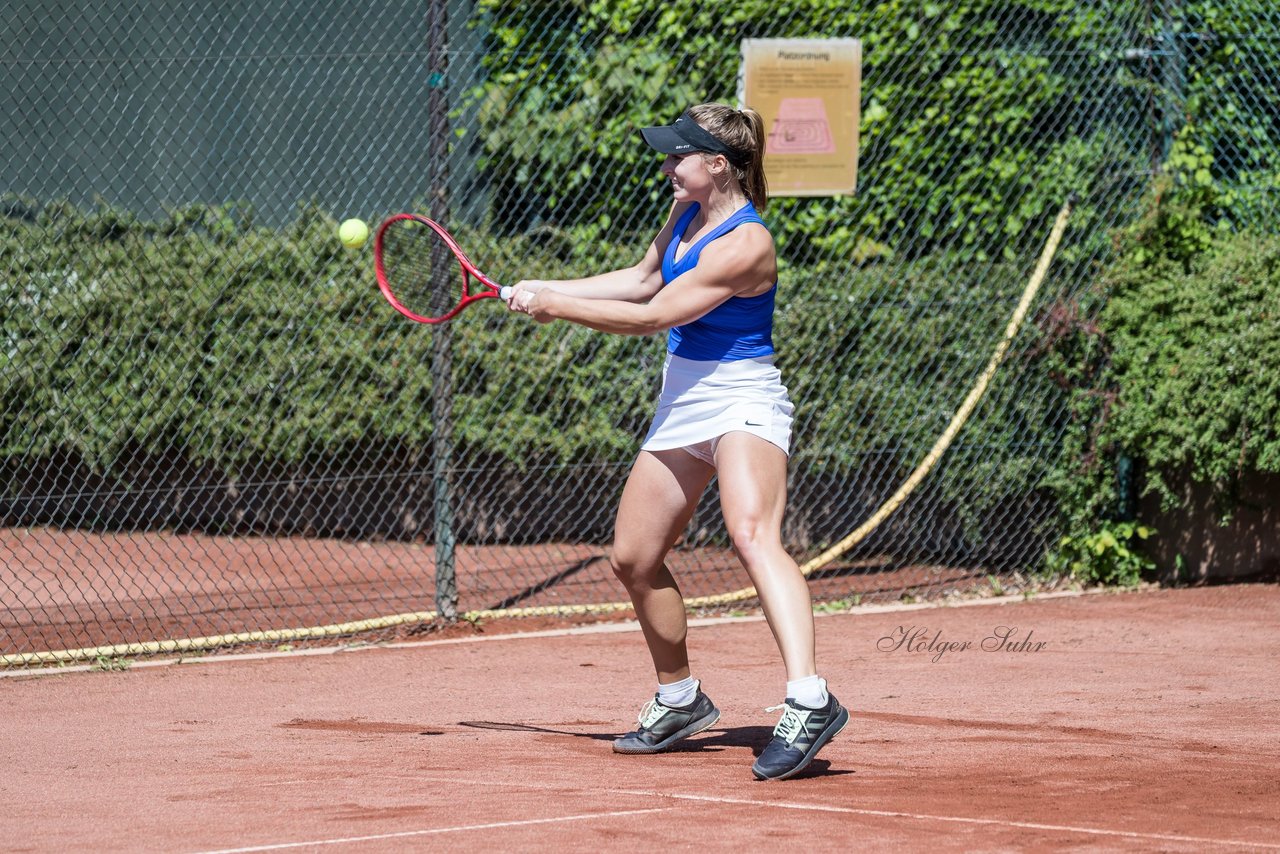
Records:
x=505, y=292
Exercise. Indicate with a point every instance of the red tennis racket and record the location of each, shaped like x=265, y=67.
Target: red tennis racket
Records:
x=420, y=267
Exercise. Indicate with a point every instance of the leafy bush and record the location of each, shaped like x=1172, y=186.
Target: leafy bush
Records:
x=1195, y=356
x=1107, y=556
x=1173, y=360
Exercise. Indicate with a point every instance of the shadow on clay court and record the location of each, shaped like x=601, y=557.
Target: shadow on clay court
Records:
x=713, y=740
x=754, y=737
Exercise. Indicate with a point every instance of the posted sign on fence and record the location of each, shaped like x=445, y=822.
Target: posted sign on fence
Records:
x=808, y=92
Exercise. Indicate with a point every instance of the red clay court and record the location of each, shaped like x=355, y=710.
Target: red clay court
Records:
x=1143, y=721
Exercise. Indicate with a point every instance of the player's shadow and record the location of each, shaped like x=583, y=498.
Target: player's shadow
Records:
x=713, y=740
x=716, y=738
x=509, y=727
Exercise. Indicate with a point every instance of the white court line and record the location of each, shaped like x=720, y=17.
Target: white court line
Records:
x=953, y=819
x=406, y=833
x=1030, y=825
x=812, y=807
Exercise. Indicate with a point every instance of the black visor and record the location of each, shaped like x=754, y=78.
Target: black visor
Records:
x=685, y=136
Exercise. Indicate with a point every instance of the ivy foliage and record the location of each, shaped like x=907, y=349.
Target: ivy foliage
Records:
x=963, y=134
x=1225, y=68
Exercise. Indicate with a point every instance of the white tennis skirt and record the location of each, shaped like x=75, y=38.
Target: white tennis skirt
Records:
x=702, y=401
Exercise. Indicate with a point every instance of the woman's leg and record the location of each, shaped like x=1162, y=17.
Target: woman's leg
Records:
x=659, y=498
x=753, y=496
x=753, y=493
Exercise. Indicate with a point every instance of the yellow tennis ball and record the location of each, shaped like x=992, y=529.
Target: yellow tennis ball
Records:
x=353, y=233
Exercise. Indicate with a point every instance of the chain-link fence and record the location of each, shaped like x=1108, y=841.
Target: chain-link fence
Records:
x=212, y=426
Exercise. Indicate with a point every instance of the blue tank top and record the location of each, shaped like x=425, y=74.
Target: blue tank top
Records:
x=740, y=327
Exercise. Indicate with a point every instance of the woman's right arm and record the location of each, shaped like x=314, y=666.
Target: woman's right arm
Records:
x=632, y=284
x=637, y=283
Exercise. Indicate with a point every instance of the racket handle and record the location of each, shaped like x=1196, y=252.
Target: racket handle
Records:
x=505, y=292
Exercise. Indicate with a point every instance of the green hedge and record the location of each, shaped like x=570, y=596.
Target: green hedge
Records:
x=235, y=347
x=236, y=343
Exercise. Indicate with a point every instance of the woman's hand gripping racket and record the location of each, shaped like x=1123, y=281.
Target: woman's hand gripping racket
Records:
x=420, y=268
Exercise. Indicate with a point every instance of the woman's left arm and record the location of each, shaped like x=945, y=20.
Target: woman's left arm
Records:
x=741, y=263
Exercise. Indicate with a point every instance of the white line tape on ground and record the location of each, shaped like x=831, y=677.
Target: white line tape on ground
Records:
x=432, y=830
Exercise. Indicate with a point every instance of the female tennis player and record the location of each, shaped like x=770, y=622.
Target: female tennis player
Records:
x=709, y=279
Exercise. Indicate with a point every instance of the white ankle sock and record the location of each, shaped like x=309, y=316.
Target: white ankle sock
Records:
x=811, y=691
x=678, y=693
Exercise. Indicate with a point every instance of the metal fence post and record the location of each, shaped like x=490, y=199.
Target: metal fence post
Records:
x=446, y=598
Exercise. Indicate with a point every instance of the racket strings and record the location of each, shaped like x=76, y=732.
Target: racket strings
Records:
x=421, y=271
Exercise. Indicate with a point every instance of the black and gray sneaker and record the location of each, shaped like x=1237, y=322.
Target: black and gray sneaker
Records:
x=662, y=726
x=798, y=737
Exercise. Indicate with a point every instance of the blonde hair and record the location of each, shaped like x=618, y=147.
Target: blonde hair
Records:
x=743, y=131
